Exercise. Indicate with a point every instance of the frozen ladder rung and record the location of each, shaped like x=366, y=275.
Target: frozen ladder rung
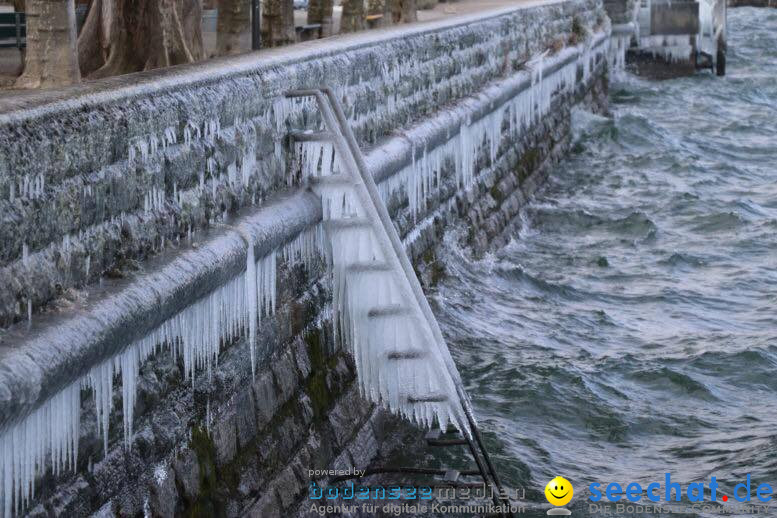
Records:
x=393, y=310
x=428, y=398
x=347, y=223
x=440, y=438
x=315, y=136
x=332, y=180
x=410, y=354
x=369, y=267
x=302, y=93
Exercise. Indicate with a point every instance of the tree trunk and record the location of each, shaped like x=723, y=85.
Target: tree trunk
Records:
x=18, y=6
x=403, y=11
x=409, y=11
x=321, y=11
x=234, y=21
x=278, y=23
x=353, y=16
x=51, y=58
x=381, y=7
x=123, y=36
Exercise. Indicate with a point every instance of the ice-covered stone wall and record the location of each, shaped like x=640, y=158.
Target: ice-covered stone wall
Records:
x=126, y=211
x=105, y=174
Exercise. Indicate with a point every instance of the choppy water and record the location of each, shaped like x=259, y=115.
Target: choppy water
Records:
x=631, y=329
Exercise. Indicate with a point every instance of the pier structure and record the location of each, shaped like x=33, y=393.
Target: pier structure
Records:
x=671, y=38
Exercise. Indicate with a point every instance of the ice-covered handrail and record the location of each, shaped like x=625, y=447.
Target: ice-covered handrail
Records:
x=413, y=160
x=41, y=380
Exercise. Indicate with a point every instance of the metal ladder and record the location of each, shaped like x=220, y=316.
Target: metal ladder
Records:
x=393, y=333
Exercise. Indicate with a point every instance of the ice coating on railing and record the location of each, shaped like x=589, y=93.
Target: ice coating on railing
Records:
x=48, y=438
x=421, y=178
x=618, y=45
x=313, y=159
x=183, y=115
x=673, y=48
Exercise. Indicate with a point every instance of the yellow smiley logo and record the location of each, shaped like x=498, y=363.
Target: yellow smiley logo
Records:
x=559, y=491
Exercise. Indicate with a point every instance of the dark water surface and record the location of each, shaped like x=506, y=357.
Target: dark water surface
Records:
x=631, y=329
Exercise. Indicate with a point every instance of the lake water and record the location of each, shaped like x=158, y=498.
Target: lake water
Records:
x=630, y=328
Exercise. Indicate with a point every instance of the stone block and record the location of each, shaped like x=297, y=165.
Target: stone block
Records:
x=288, y=487
x=346, y=416
x=187, y=473
x=224, y=435
x=286, y=376
x=320, y=450
x=363, y=447
x=343, y=461
x=249, y=481
x=301, y=356
x=245, y=416
x=268, y=506
x=306, y=409
x=265, y=398
x=301, y=464
x=163, y=494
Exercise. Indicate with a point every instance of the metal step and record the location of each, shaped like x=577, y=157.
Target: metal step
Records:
x=347, y=223
x=332, y=180
x=389, y=311
x=410, y=354
x=369, y=267
x=440, y=438
x=302, y=93
x=428, y=398
x=311, y=136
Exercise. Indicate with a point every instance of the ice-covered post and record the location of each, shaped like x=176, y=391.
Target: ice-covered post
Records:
x=721, y=15
x=256, y=27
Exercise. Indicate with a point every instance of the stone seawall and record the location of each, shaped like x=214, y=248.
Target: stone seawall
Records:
x=126, y=211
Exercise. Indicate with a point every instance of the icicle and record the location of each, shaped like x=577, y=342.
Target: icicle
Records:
x=303, y=249
x=253, y=311
x=128, y=364
x=52, y=429
x=212, y=130
x=248, y=166
x=170, y=137
x=207, y=416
